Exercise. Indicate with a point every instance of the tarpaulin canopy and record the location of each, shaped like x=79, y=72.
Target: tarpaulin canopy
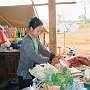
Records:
x=16, y=15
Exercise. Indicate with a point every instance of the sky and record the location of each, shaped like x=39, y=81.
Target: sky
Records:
x=69, y=12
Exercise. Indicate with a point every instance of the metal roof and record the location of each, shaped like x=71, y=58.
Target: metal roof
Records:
x=16, y=15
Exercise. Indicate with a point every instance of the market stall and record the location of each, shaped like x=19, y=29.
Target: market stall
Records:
x=62, y=73
x=14, y=21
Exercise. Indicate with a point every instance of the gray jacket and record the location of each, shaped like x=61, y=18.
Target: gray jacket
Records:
x=29, y=58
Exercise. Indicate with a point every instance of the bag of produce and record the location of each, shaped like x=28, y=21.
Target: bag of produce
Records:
x=43, y=71
x=87, y=75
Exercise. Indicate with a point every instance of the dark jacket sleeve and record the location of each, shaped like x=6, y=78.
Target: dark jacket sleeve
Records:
x=32, y=55
x=45, y=52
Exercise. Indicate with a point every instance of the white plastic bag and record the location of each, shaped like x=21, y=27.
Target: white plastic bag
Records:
x=42, y=71
x=31, y=88
x=87, y=75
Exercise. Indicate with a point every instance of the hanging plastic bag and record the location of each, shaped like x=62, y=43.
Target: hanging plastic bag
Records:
x=7, y=42
x=2, y=40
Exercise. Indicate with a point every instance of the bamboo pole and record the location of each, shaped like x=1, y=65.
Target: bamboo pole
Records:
x=43, y=4
x=52, y=26
x=35, y=11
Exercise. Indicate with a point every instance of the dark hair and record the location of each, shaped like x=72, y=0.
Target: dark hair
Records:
x=35, y=22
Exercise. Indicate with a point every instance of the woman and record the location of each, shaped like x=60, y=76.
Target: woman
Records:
x=31, y=53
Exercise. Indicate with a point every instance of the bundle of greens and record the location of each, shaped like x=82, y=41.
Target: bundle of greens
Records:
x=62, y=78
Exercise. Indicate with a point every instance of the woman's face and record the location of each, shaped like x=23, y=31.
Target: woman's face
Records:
x=37, y=31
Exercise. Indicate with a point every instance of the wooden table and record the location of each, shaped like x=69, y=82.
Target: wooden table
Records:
x=8, y=64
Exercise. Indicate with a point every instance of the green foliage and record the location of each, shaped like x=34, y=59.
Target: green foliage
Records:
x=61, y=78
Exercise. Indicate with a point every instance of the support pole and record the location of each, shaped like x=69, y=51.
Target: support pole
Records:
x=52, y=25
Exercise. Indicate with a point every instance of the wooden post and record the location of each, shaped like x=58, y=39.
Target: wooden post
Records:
x=52, y=25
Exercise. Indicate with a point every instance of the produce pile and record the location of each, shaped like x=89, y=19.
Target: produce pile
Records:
x=43, y=71
x=51, y=76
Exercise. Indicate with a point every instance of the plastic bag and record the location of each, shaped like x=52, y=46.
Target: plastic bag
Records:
x=7, y=42
x=2, y=40
x=87, y=75
x=43, y=71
